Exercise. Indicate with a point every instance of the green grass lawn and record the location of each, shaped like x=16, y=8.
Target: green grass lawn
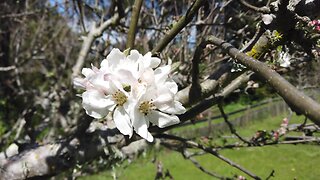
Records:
x=288, y=161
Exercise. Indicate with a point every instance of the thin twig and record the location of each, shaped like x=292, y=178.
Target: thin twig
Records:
x=232, y=129
x=210, y=151
x=8, y=68
x=254, y=39
x=270, y=175
x=187, y=155
x=263, y=9
x=177, y=27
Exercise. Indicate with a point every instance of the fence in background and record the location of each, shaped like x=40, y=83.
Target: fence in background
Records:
x=241, y=117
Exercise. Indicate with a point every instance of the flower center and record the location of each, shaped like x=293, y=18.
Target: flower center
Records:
x=119, y=97
x=146, y=107
x=126, y=87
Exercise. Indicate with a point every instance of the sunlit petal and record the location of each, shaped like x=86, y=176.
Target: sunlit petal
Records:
x=140, y=125
x=122, y=121
x=174, y=107
x=162, y=120
x=161, y=74
x=96, y=104
x=87, y=72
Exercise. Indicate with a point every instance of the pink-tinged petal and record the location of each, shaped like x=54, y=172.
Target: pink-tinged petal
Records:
x=161, y=74
x=140, y=125
x=122, y=121
x=162, y=120
x=87, y=72
x=98, y=81
x=96, y=104
x=148, y=76
x=126, y=76
x=79, y=83
x=175, y=107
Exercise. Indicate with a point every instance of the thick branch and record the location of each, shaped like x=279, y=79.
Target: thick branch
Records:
x=89, y=39
x=296, y=99
x=50, y=159
x=208, y=87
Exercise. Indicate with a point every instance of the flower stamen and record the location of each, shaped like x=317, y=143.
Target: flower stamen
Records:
x=146, y=106
x=120, y=98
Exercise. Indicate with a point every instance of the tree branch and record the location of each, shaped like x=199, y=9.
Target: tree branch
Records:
x=89, y=39
x=295, y=99
x=177, y=27
x=188, y=155
x=133, y=23
x=209, y=150
x=232, y=129
x=263, y=9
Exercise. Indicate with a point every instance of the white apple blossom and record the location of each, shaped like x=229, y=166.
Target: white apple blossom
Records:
x=134, y=89
x=153, y=101
x=268, y=18
x=284, y=59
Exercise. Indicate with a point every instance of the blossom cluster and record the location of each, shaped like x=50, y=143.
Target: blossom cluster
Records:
x=133, y=89
x=315, y=24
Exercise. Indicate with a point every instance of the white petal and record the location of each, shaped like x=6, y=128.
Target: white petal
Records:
x=154, y=62
x=161, y=74
x=138, y=90
x=149, y=94
x=131, y=63
x=140, y=125
x=112, y=86
x=113, y=59
x=98, y=81
x=151, y=62
x=162, y=120
x=134, y=55
x=267, y=19
x=164, y=98
x=122, y=121
x=170, y=84
x=96, y=103
x=174, y=107
x=87, y=72
x=104, y=64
